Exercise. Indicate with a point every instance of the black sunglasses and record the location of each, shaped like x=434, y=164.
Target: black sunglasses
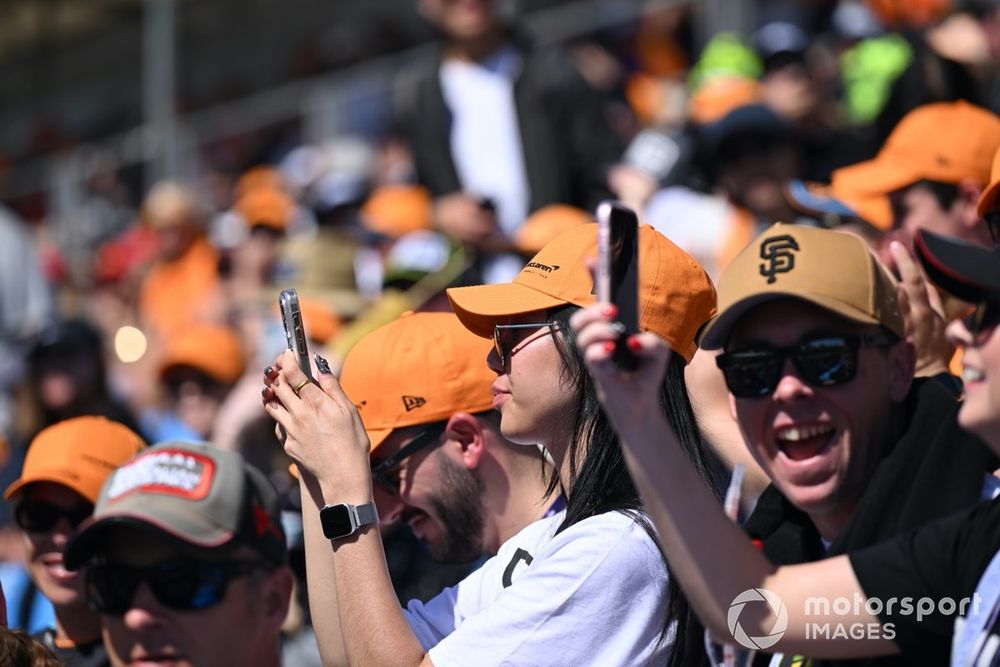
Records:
x=183, y=584
x=823, y=361
x=506, y=336
x=38, y=516
x=992, y=219
x=385, y=473
x=984, y=318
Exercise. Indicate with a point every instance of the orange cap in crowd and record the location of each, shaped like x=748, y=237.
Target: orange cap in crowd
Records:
x=676, y=296
x=948, y=142
x=418, y=369
x=265, y=207
x=988, y=199
x=720, y=95
x=79, y=453
x=395, y=210
x=319, y=320
x=262, y=177
x=547, y=223
x=214, y=350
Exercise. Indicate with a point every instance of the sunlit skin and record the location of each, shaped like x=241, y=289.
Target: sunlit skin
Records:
x=533, y=394
x=43, y=553
x=980, y=412
x=240, y=630
x=820, y=445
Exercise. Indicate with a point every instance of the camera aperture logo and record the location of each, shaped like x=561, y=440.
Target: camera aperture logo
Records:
x=757, y=595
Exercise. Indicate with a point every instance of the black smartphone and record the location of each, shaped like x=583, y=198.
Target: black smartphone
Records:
x=617, y=278
x=295, y=332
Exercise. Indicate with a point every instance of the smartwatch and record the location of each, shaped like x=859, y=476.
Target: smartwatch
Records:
x=343, y=520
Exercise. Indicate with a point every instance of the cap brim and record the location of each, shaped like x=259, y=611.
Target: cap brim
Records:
x=54, y=477
x=811, y=203
x=967, y=271
x=91, y=536
x=481, y=307
x=878, y=176
x=716, y=333
x=377, y=436
x=988, y=200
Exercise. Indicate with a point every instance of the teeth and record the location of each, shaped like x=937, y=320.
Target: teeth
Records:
x=972, y=374
x=800, y=433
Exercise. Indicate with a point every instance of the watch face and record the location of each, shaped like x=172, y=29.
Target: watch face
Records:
x=336, y=521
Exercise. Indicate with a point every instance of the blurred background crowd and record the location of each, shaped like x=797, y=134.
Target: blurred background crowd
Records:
x=168, y=166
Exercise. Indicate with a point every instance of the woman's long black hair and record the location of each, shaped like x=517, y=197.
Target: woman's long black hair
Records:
x=600, y=482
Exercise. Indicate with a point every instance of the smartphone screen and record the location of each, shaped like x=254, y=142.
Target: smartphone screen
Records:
x=295, y=332
x=617, y=278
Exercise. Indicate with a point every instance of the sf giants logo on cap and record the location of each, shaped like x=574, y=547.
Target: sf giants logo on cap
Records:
x=169, y=472
x=777, y=252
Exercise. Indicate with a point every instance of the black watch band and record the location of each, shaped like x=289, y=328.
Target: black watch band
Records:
x=342, y=520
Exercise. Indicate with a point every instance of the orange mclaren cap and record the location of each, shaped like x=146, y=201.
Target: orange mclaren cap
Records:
x=946, y=141
x=395, y=210
x=988, y=200
x=547, y=223
x=874, y=209
x=265, y=207
x=214, y=350
x=418, y=369
x=79, y=453
x=676, y=296
x=319, y=319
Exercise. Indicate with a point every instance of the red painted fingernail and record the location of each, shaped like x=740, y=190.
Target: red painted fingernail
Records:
x=609, y=346
x=609, y=310
x=633, y=343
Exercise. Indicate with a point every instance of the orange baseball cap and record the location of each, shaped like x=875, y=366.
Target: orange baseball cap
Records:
x=214, y=350
x=988, y=199
x=395, y=210
x=720, y=95
x=79, y=453
x=547, y=223
x=265, y=207
x=946, y=141
x=418, y=369
x=676, y=296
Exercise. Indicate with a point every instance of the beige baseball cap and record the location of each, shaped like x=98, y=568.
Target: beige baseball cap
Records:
x=833, y=270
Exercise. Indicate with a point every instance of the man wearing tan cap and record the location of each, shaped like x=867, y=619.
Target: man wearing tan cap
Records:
x=185, y=560
x=64, y=469
x=821, y=382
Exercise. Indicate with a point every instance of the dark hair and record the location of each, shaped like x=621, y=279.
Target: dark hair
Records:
x=601, y=481
x=19, y=649
x=945, y=194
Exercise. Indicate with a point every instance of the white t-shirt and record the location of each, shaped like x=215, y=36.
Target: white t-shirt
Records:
x=595, y=594
x=486, y=143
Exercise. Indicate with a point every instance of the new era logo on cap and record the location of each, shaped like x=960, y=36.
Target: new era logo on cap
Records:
x=779, y=255
x=413, y=402
x=166, y=471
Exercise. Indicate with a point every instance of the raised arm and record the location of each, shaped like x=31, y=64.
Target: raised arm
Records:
x=359, y=612
x=710, y=556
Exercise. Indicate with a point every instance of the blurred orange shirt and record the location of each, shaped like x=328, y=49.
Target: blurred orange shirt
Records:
x=181, y=291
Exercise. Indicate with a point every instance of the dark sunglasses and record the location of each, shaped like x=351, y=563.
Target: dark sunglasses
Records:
x=993, y=225
x=823, y=361
x=36, y=516
x=506, y=336
x=984, y=318
x=385, y=473
x=183, y=584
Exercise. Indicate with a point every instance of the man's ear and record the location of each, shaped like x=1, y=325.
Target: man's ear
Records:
x=467, y=432
x=968, y=199
x=902, y=364
x=277, y=597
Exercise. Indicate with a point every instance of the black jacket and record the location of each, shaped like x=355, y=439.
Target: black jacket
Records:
x=566, y=138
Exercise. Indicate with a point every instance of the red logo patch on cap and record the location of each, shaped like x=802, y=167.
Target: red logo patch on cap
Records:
x=171, y=472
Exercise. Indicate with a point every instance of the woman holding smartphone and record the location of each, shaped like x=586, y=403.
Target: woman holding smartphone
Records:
x=587, y=586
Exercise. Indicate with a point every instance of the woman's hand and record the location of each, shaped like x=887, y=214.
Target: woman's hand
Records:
x=626, y=396
x=324, y=433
